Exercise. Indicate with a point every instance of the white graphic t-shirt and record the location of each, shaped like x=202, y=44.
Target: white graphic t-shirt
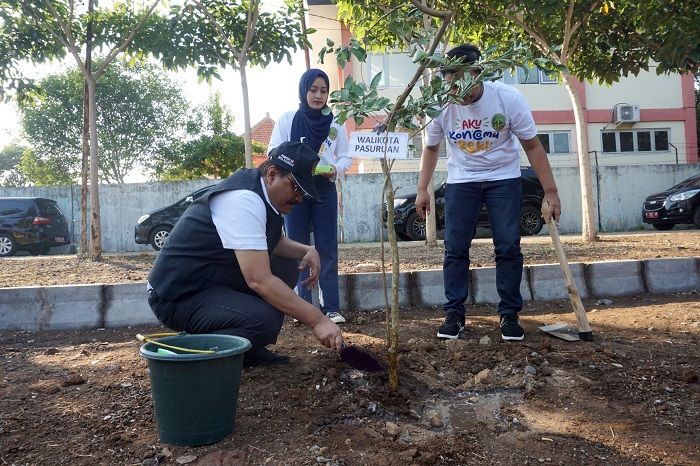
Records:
x=483, y=136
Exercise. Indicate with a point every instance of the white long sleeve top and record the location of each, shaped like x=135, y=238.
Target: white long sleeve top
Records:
x=334, y=150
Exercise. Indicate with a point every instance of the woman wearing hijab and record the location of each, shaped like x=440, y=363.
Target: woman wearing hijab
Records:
x=309, y=125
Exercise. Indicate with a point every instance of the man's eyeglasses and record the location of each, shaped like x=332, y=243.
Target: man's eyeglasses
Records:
x=295, y=186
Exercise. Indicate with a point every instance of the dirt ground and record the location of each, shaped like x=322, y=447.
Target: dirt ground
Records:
x=120, y=268
x=630, y=397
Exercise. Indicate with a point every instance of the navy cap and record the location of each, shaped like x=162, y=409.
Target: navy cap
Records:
x=300, y=160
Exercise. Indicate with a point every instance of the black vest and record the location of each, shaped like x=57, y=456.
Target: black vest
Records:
x=193, y=258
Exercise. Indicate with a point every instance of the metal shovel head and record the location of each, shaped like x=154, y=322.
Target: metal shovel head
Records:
x=562, y=330
x=360, y=359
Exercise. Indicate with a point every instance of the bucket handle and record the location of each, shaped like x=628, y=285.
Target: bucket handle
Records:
x=149, y=339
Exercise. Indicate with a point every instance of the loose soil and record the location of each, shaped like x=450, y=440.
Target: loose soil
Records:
x=120, y=268
x=630, y=397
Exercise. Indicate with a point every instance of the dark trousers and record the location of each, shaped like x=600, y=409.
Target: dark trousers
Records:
x=323, y=217
x=220, y=309
x=463, y=202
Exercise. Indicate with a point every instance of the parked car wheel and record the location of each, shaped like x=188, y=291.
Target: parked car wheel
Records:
x=696, y=217
x=663, y=226
x=415, y=227
x=159, y=235
x=531, y=221
x=8, y=245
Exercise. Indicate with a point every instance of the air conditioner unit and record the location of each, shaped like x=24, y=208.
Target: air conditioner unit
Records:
x=625, y=113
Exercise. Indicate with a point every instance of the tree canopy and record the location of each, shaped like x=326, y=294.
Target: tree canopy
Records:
x=10, y=157
x=141, y=113
x=213, y=150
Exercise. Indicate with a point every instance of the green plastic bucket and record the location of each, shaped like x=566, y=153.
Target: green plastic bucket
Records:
x=195, y=395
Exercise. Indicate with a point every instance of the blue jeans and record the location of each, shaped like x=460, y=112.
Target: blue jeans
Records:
x=323, y=217
x=463, y=202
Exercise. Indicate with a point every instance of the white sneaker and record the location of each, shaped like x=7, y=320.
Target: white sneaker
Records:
x=336, y=317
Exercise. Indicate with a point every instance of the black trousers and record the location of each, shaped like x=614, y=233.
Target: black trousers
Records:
x=220, y=309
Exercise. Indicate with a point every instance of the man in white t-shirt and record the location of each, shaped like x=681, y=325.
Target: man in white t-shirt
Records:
x=484, y=133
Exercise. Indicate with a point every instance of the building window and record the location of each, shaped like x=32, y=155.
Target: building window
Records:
x=555, y=142
x=635, y=141
x=661, y=140
x=397, y=68
x=530, y=75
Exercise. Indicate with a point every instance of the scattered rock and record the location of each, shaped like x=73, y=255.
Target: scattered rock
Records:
x=305, y=370
x=530, y=370
x=366, y=267
x=73, y=379
x=315, y=450
x=603, y=302
x=150, y=462
x=435, y=421
x=485, y=341
x=51, y=351
x=500, y=356
x=392, y=429
x=483, y=377
x=186, y=459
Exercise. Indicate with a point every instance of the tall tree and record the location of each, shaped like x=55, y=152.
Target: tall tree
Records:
x=56, y=28
x=214, y=151
x=140, y=113
x=586, y=39
x=239, y=35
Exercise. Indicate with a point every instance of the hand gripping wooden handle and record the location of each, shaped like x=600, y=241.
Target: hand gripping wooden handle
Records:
x=584, y=329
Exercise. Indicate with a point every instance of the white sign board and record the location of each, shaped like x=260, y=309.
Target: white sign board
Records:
x=366, y=144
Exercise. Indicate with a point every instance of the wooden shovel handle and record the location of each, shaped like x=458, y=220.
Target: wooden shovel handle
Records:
x=581, y=317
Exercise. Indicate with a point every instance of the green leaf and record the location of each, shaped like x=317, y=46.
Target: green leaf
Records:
x=375, y=80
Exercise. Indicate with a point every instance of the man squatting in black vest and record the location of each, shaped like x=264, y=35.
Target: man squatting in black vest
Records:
x=226, y=267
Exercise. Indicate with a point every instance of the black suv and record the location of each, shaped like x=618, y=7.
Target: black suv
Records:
x=410, y=226
x=679, y=204
x=154, y=227
x=31, y=224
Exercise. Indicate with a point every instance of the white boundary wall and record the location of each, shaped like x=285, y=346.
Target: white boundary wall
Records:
x=619, y=194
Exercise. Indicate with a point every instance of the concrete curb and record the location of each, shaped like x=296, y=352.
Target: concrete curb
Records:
x=93, y=306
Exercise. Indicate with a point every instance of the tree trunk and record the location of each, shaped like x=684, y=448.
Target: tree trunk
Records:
x=242, y=63
x=430, y=223
x=95, y=226
x=588, y=227
x=393, y=326
x=302, y=19
x=84, y=172
x=341, y=216
x=86, y=136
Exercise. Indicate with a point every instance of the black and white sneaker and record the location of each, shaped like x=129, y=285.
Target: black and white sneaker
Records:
x=336, y=317
x=451, y=327
x=510, y=329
